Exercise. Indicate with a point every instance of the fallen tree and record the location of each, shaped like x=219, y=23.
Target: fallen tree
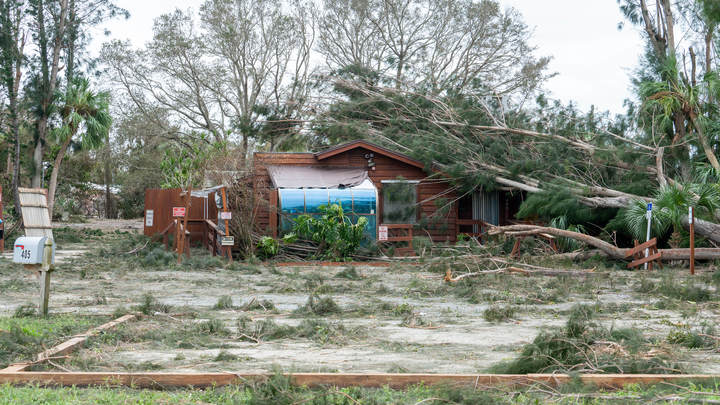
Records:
x=602, y=246
x=525, y=230
x=476, y=144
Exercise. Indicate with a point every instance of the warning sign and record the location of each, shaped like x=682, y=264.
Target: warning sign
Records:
x=382, y=232
x=178, y=211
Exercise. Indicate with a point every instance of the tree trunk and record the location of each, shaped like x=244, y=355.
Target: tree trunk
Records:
x=704, y=228
x=109, y=212
x=38, y=155
x=56, y=169
x=50, y=79
x=16, y=166
x=522, y=230
x=709, y=152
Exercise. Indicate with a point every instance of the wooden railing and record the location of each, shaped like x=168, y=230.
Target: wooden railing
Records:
x=481, y=227
x=400, y=233
x=213, y=236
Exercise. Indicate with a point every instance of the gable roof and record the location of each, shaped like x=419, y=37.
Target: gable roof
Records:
x=336, y=150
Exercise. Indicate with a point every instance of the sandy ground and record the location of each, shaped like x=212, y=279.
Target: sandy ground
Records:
x=104, y=224
x=459, y=339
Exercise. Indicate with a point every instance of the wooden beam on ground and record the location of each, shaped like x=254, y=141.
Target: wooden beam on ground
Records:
x=398, y=381
x=67, y=346
x=341, y=264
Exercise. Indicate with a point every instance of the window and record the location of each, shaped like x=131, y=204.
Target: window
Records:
x=399, y=202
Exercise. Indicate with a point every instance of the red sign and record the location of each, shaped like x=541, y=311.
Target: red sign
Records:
x=178, y=211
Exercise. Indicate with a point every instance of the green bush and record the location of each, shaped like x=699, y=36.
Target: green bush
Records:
x=224, y=302
x=158, y=257
x=268, y=247
x=212, y=327
x=150, y=305
x=349, y=273
x=498, y=313
x=573, y=348
x=319, y=306
x=336, y=237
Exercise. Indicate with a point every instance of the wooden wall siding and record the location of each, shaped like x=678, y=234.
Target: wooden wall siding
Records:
x=386, y=168
x=162, y=201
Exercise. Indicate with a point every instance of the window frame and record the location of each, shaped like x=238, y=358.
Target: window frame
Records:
x=416, y=204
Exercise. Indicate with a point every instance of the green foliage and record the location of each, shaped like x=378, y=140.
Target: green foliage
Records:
x=336, y=237
x=212, y=327
x=572, y=349
x=158, y=257
x=84, y=109
x=558, y=203
x=268, y=247
x=496, y=313
x=182, y=167
x=349, y=273
x=317, y=305
x=25, y=311
x=225, y=356
x=150, y=305
x=567, y=244
x=224, y=302
x=698, y=337
x=21, y=338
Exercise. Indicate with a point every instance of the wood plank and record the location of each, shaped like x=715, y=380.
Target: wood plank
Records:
x=67, y=346
x=644, y=260
x=16, y=367
x=371, y=147
x=397, y=381
x=641, y=247
x=72, y=344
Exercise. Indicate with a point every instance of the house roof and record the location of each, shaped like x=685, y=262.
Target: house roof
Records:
x=336, y=150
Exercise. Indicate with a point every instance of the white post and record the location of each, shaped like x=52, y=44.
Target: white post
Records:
x=648, y=214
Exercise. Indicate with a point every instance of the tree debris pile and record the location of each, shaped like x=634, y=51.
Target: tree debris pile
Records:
x=585, y=346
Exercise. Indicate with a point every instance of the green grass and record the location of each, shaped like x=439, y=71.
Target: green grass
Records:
x=277, y=390
x=22, y=338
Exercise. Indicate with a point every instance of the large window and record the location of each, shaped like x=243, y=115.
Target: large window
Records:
x=399, y=201
x=356, y=202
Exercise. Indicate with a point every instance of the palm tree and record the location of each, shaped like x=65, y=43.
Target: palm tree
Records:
x=85, y=112
x=671, y=209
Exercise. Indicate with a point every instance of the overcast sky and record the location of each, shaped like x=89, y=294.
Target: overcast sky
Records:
x=591, y=57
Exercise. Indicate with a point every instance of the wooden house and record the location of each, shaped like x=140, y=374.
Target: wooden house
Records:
x=387, y=187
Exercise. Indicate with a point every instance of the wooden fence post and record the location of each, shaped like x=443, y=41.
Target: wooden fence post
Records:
x=228, y=249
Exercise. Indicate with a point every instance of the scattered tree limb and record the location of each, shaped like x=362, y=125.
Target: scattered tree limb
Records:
x=610, y=250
